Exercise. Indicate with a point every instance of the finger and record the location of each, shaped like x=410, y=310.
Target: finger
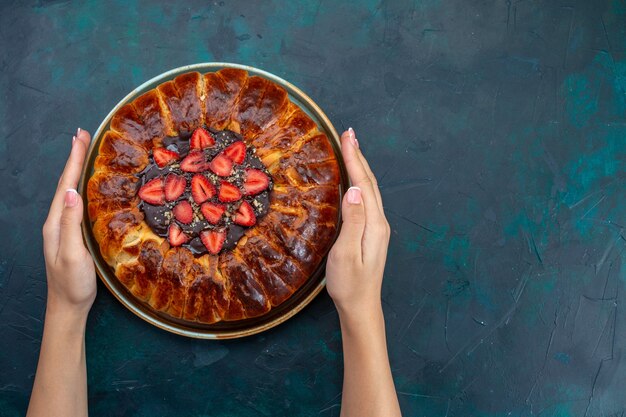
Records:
x=353, y=224
x=372, y=177
x=359, y=177
x=81, y=142
x=69, y=178
x=71, y=239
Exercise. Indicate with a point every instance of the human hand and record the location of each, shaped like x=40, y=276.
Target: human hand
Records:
x=69, y=266
x=356, y=262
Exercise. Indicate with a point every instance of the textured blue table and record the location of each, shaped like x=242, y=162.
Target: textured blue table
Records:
x=497, y=130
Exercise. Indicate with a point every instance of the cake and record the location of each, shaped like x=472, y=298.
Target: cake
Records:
x=214, y=197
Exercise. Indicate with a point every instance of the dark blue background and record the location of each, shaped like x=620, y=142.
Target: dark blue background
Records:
x=497, y=130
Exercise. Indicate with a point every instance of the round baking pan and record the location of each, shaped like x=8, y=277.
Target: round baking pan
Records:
x=225, y=329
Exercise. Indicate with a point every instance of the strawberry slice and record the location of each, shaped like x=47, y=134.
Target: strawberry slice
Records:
x=245, y=215
x=176, y=236
x=213, y=240
x=228, y=192
x=163, y=157
x=183, y=212
x=152, y=192
x=201, y=188
x=222, y=165
x=213, y=212
x=194, y=162
x=236, y=152
x=174, y=186
x=256, y=181
x=201, y=139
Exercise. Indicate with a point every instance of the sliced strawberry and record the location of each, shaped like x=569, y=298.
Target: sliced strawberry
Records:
x=176, y=236
x=194, y=162
x=236, y=152
x=213, y=240
x=256, y=181
x=201, y=188
x=213, y=212
x=183, y=212
x=152, y=192
x=164, y=156
x=245, y=215
x=222, y=165
x=201, y=139
x=174, y=186
x=228, y=192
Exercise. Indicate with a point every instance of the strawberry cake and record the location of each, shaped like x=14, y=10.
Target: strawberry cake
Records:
x=214, y=197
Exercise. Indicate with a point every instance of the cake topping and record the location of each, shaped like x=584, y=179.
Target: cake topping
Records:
x=228, y=192
x=202, y=191
x=213, y=240
x=236, y=152
x=183, y=212
x=176, y=236
x=174, y=186
x=201, y=139
x=152, y=192
x=194, y=162
x=222, y=165
x=245, y=215
x=255, y=182
x=213, y=212
x=163, y=157
x=201, y=188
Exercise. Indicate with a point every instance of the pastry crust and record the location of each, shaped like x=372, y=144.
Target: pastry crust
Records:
x=274, y=258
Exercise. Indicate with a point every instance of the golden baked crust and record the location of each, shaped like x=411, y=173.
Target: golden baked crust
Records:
x=274, y=258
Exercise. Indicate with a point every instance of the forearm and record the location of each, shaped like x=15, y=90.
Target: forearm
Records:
x=368, y=388
x=60, y=387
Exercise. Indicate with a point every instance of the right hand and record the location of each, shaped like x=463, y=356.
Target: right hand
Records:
x=356, y=262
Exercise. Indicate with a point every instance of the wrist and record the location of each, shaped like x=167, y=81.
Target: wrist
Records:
x=365, y=318
x=61, y=312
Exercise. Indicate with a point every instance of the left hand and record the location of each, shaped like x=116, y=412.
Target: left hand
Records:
x=356, y=262
x=69, y=266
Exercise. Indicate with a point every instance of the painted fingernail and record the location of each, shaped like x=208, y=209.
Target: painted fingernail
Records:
x=354, y=195
x=78, y=132
x=352, y=137
x=71, y=197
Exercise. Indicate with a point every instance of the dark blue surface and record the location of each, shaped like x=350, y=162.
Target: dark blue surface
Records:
x=497, y=130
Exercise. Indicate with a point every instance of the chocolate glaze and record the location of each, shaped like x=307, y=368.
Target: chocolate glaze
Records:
x=160, y=217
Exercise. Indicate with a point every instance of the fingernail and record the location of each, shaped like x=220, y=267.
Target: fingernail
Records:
x=354, y=195
x=78, y=132
x=71, y=197
x=352, y=137
x=73, y=139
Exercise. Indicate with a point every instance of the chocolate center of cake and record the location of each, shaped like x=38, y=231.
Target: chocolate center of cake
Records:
x=203, y=190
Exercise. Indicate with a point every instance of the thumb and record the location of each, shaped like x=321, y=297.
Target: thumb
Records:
x=353, y=224
x=71, y=239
